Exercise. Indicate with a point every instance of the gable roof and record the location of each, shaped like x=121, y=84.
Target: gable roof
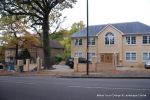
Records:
x=55, y=44
x=127, y=28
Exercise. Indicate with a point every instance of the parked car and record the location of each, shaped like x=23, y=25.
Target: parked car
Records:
x=69, y=62
x=1, y=65
x=147, y=64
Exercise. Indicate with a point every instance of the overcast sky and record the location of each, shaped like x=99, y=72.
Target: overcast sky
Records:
x=108, y=11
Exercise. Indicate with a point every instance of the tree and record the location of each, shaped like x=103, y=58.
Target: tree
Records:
x=38, y=11
x=63, y=36
x=11, y=27
x=77, y=26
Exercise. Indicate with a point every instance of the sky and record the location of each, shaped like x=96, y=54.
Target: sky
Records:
x=108, y=11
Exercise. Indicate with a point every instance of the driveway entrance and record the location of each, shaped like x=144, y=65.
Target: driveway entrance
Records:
x=108, y=61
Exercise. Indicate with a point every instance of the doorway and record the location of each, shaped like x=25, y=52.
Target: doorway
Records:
x=106, y=58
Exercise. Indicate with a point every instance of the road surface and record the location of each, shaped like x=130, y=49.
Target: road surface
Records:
x=47, y=88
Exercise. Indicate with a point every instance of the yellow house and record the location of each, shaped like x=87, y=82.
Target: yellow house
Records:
x=120, y=44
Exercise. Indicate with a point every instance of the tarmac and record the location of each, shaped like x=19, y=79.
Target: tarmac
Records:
x=63, y=71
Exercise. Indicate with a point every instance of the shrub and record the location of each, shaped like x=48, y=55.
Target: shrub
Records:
x=58, y=58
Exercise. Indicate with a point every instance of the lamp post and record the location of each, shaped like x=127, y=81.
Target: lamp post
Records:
x=87, y=65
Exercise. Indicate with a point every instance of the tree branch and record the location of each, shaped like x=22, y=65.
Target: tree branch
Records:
x=39, y=5
x=24, y=13
x=37, y=10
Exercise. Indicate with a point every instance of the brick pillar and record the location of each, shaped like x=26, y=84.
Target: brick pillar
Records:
x=27, y=64
x=94, y=65
x=20, y=65
x=41, y=62
x=38, y=63
x=120, y=62
x=115, y=61
x=76, y=61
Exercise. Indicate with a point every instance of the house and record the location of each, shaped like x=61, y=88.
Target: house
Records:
x=119, y=44
x=36, y=51
x=56, y=49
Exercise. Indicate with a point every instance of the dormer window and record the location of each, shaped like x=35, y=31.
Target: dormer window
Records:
x=109, y=38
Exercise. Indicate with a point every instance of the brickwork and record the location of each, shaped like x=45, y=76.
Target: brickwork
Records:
x=120, y=47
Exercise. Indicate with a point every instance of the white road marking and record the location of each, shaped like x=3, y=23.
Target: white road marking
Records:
x=75, y=86
x=24, y=83
x=18, y=82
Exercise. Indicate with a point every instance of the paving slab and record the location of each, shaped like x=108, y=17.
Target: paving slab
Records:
x=64, y=71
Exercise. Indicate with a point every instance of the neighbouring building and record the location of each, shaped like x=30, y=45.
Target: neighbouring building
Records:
x=119, y=44
x=37, y=51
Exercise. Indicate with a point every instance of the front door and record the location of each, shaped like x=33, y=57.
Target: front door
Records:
x=106, y=58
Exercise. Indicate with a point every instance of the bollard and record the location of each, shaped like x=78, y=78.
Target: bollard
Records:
x=76, y=61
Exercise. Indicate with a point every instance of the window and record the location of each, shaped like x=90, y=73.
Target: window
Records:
x=78, y=42
x=146, y=55
x=131, y=56
x=109, y=38
x=91, y=55
x=78, y=54
x=146, y=39
x=131, y=40
x=91, y=41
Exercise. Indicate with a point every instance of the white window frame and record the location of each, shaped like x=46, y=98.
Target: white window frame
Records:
x=147, y=56
x=129, y=40
x=78, y=42
x=91, y=41
x=91, y=55
x=131, y=57
x=147, y=39
x=110, y=39
x=78, y=54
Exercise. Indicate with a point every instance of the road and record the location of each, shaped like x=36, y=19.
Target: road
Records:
x=47, y=88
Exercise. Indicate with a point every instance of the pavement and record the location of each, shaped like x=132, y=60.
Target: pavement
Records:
x=65, y=72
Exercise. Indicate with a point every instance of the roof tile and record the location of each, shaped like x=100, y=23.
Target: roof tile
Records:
x=127, y=28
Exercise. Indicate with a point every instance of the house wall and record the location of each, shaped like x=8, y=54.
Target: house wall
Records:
x=120, y=48
x=113, y=48
x=53, y=53
x=83, y=48
x=9, y=53
x=34, y=53
x=139, y=48
x=80, y=48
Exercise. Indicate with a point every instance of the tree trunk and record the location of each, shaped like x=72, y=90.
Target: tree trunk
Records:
x=46, y=46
